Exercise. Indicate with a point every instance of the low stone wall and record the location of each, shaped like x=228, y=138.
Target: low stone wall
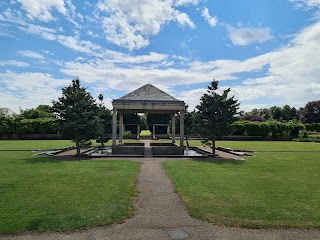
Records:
x=162, y=144
x=134, y=144
x=128, y=150
x=167, y=150
x=162, y=136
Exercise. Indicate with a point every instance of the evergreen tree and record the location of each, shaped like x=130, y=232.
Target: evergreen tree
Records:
x=78, y=114
x=216, y=113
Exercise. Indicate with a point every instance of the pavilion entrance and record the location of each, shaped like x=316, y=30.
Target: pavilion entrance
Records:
x=147, y=99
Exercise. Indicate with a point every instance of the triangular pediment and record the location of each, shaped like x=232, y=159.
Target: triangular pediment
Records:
x=148, y=92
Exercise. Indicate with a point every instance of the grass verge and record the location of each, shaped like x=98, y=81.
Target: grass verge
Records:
x=259, y=145
x=271, y=190
x=34, y=144
x=38, y=193
x=271, y=145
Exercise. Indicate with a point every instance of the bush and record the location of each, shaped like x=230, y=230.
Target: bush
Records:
x=313, y=127
x=127, y=135
x=307, y=139
x=103, y=140
x=276, y=129
x=294, y=126
x=7, y=125
x=36, y=126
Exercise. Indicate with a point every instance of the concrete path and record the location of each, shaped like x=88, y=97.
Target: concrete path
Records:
x=160, y=214
x=147, y=149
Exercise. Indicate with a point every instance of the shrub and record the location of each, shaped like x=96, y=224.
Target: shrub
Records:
x=7, y=125
x=294, y=126
x=275, y=129
x=103, y=140
x=313, y=127
x=127, y=135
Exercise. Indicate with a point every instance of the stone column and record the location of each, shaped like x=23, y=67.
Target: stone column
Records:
x=182, y=113
x=138, y=131
x=173, y=120
x=154, y=132
x=121, y=127
x=114, y=127
x=168, y=130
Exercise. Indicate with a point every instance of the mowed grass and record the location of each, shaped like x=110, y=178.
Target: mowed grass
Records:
x=259, y=145
x=39, y=193
x=271, y=145
x=145, y=133
x=34, y=144
x=270, y=190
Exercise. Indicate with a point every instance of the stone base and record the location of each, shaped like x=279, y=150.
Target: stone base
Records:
x=128, y=150
x=167, y=150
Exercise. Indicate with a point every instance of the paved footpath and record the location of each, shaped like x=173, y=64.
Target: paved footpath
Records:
x=160, y=214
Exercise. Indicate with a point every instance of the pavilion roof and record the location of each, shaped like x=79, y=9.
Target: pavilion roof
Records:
x=148, y=93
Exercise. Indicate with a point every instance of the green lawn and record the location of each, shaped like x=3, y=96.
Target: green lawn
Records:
x=33, y=144
x=145, y=133
x=270, y=145
x=271, y=189
x=38, y=193
x=260, y=145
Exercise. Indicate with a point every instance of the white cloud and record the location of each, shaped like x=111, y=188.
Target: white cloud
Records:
x=211, y=20
x=4, y=34
x=289, y=75
x=306, y=3
x=248, y=107
x=186, y=2
x=192, y=97
x=184, y=19
x=41, y=9
x=13, y=63
x=33, y=88
x=241, y=93
x=129, y=23
x=30, y=54
x=246, y=36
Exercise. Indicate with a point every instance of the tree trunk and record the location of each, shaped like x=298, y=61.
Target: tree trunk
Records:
x=78, y=147
x=213, y=146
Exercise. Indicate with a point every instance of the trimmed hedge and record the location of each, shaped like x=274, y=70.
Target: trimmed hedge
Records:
x=273, y=128
x=21, y=126
x=313, y=127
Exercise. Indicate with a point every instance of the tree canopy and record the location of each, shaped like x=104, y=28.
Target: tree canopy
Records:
x=311, y=112
x=216, y=113
x=78, y=114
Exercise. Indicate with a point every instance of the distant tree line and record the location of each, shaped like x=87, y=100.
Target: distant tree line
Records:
x=76, y=115
x=308, y=114
x=41, y=121
x=31, y=121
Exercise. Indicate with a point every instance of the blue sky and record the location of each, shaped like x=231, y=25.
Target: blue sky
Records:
x=266, y=51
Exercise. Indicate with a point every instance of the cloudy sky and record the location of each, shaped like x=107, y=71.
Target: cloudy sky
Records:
x=266, y=51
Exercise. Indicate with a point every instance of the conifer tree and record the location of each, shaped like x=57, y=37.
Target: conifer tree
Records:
x=216, y=112
x=78, y=114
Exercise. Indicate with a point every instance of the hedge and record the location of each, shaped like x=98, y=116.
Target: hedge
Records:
x=21, y=126
x=313, y=127
x=274, y=128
